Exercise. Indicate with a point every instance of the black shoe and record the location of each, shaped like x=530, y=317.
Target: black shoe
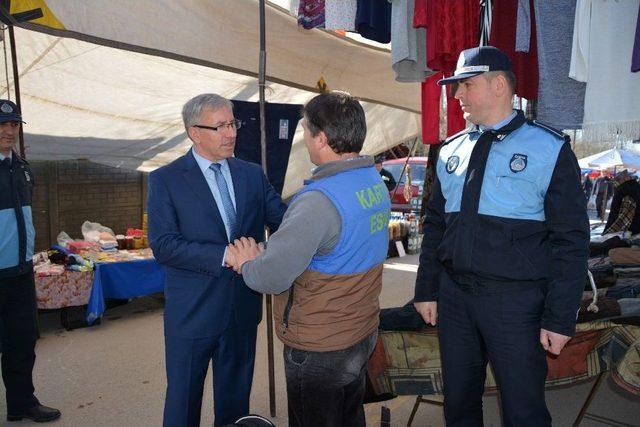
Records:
x=38, y=413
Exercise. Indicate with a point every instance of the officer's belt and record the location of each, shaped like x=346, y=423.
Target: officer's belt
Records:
x=474, y=284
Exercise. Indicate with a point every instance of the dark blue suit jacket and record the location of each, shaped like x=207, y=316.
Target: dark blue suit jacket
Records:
x=188, y=237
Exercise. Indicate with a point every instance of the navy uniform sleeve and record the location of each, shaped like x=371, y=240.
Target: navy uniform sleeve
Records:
x=427, y=281
x=568, y=224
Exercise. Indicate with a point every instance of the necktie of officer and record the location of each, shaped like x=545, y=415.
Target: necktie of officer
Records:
x=7, y=162
x=471, y=200
x=227, y=204
x=475, y=174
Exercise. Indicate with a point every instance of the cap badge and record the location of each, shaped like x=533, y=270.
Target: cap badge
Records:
x=6, y=108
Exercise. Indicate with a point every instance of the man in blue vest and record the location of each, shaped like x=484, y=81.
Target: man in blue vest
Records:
x=17, y=289
x=504, y=254
x=325, y=266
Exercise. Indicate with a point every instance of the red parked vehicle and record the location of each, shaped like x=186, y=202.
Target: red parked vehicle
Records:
x=418, y=167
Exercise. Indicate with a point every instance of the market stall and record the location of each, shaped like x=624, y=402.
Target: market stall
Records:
x=408, y=362
x=77, y=273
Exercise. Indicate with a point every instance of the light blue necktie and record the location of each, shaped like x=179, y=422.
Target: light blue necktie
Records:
x=227, y=203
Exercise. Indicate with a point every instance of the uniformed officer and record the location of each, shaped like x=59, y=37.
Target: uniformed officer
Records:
x=17, y=289
x=504, y=254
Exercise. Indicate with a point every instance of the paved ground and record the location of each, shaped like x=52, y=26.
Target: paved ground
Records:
x=113, y=374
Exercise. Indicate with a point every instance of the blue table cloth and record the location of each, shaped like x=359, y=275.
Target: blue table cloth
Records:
x=123, y=280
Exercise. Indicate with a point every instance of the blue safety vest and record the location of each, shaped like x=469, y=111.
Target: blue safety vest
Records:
x=362, y=200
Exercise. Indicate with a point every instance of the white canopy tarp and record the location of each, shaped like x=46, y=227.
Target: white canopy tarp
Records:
x=613, y=158
x=122, y=107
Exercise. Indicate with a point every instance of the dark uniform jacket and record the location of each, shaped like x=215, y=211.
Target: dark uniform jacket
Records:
x=16, y=222
x=517, y=218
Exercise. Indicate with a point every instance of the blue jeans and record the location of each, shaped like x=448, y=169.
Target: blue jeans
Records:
x=327, y=388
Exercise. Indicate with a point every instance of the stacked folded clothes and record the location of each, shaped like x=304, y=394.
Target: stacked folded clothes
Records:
x=108, y=245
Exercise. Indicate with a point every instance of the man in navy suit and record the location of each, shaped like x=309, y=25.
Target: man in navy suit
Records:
x=197, y=205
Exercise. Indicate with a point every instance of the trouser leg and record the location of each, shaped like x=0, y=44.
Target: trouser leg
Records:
x=463, y=360
x=19, y=334
x=510, y=326
x=233, y=364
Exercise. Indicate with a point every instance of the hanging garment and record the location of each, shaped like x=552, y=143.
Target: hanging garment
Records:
x=455, y=116
x=484, y=25
x=635, y=56
x=525, y=65
x=281, y=123
x=294, y=8
x=602, y=39
x=523, y=26
x=408, y=44
x=340, y=14
x=431, y=110
x=431, y=100
x=373, y=20
x=561, y=99
x=311, y=14
x=451, y=28
x=420, y=14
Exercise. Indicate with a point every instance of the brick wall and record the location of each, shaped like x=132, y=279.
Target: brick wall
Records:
x=70, y=192
x=40, y=205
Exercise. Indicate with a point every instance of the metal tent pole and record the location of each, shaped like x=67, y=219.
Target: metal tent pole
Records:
x=263, y=152
x=16, y=84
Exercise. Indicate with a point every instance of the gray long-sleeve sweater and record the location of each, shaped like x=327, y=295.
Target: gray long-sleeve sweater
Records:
x=311, y=226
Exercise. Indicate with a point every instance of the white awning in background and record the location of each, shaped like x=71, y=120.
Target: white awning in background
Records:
x=106, y=80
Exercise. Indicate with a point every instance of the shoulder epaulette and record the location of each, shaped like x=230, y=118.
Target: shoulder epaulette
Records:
x=555, y=132
x=457, y=135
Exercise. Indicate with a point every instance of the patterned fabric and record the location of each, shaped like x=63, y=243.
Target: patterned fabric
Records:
x=531, y=109
x=408, y=363
x=623, y=222
x=311, y=14
x=72, y=288
x=340, y=14
x=227, y=203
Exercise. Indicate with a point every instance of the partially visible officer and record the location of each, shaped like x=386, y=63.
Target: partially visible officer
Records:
x=504, y=254
x=17, y=289
x=386, y=176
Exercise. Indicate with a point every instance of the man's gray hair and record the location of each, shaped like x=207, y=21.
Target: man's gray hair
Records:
x=193, y=108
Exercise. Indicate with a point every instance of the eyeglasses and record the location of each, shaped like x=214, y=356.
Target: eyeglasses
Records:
x=235, y=124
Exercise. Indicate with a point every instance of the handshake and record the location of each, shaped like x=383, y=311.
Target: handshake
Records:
x=240, y=251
